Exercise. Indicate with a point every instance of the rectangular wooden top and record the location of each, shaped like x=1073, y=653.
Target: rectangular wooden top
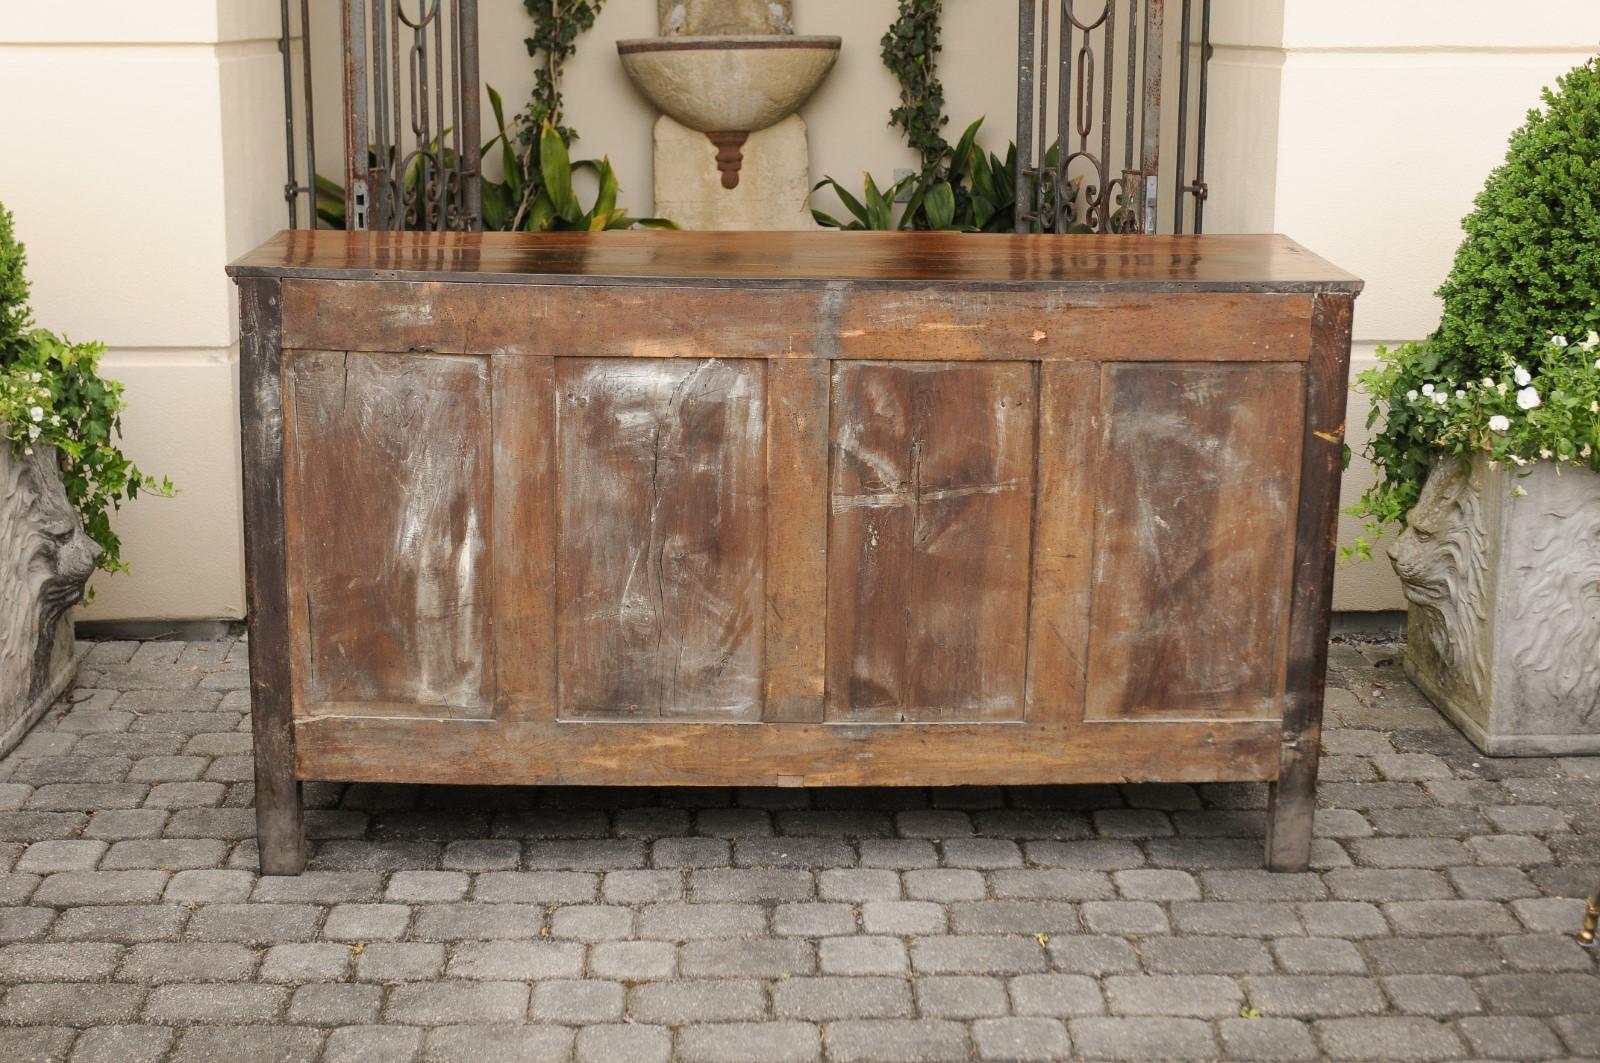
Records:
x=804, y=259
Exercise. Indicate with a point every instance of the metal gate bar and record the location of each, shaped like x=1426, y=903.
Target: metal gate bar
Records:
x=1071, y=185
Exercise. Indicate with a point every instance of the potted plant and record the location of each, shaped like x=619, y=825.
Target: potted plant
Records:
x=61, y=475
x=1489, y=450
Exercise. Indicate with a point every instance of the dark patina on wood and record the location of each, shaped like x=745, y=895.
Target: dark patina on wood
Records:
x=789, y=509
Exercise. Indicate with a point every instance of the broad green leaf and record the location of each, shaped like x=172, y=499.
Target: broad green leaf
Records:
x=556, y=164
x=940, y=204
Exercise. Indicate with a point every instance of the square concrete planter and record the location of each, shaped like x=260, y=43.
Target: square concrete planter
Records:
x=1503, y=633
x=45, y=562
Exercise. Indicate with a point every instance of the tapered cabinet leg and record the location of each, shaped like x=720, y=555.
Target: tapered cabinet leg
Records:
x=280, y=820
x=1291, y=806
x=280, y=831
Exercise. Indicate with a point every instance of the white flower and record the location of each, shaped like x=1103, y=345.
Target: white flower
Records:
x=1591, y=341
x=1527, y=398
x=1518, y=492
x=1544, y=452
x=1440, y=398
x=37, y=413
x=1520, y=462
x=1460, y=393
x=1522, y=376
x=35, y=378
x=1487, y=382
x=1499, y=423
x=1585, y=452
x=1427, y=389
x=1594, y=407
x=1412, y=395
x=1558, y=341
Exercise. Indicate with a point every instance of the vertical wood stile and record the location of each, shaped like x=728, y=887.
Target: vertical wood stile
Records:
x=797, y=539
x=1063, y=542
x=524, y=551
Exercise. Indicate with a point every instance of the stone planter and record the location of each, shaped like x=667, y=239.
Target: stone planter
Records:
x=45, y=562
x=1503, y=633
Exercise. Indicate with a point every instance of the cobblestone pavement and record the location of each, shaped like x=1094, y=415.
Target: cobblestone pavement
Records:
x=480, y=925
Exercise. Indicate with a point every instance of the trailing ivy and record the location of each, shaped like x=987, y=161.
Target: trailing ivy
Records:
x=557, y=25
x=911, y=52
x=1528, y=268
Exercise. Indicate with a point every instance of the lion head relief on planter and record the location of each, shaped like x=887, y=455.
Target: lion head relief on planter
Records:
x=1443, y=564
x=47, y=563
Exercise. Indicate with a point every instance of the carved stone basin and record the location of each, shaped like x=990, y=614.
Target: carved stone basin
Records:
x=728, y=86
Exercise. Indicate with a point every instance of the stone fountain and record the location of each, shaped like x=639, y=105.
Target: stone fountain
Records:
x=728, y=75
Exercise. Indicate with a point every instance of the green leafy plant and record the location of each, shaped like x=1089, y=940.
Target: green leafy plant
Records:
x=537, y=194
x=1529, y=266
x=52, y=394
x=911, y=51
x=1542, y=407
x=975, y=192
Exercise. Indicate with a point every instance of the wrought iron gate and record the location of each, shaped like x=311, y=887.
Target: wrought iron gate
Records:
x=411, y=117
x=1068, y=183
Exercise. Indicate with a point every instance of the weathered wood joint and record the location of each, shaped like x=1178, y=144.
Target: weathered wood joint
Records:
x=817, y=509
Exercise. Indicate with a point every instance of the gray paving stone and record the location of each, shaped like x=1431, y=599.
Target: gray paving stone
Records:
x=681, y=1002
x=1051, y=884
x=165, y=854
x=536, y=887
x=973, y=954
x=895, y=1041
x=812, y=919
x=1395, y=1039
x=161, y=962
x=255, y=924
x=1315, y=996
x=1456, y=955
x=796, y=852
x=980, y=853
x=1096, y=855
x=898, y=853
x=121, y=823
x=944, y=884
x=633, y=961
x=82, y=962
x=366, y=922
x=1206, y=955
x=334, y=1004
x=71, y=1004
x=373, y=1044
x=862, y=956
x=1060, y=995
x=1020, y=1038
x=1448, y=918
x=46, y=857
x=68, y=889
x=1236, y=918
x=1200, y=996
x=412, y=887
x=954, y=996
x=736, y=885
x=247, y=1044
x=577, y=1001
x=121, y=923
x=1267, y=1039
x=399, y=961
x=1142, y=1038
x=1319, y=956
x=826, y=999
x=1438, y=995
x=119, y=1044
x=305, y=962
x=442, y=1003
x=742, y=958
x=738, y=1042
x=592, y=922
x=209, y=1002
x=1510, y=1037
x=477, y=922
x=209, y=885
x=498, y=1044
x=685, y=922
x=1544, y=952
x=1124, y=917
x=1156, y=884
x=642, y=887
x=634, y=1043
x=1540, y=994
x=1093, y=954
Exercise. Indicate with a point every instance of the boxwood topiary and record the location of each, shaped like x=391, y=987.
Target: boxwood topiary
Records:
x=1529, y=267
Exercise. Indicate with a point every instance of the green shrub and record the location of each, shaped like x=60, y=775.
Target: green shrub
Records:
x=52, y=394
x=1528, y=268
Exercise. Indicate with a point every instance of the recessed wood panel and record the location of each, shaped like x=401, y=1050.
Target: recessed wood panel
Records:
x=388, y=519
x=661, y=538
x=931, y=496
x=1197, y=487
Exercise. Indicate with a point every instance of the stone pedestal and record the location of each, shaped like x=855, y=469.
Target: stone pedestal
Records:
x=45, y=561
x=1503, y=633
x=774, y=179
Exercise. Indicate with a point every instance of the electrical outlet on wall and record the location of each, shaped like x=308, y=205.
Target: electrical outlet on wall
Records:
x=900, y=174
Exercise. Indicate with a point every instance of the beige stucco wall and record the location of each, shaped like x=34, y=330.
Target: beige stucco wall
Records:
x=1364, y=129
x=151, y=153
x=144, y=150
